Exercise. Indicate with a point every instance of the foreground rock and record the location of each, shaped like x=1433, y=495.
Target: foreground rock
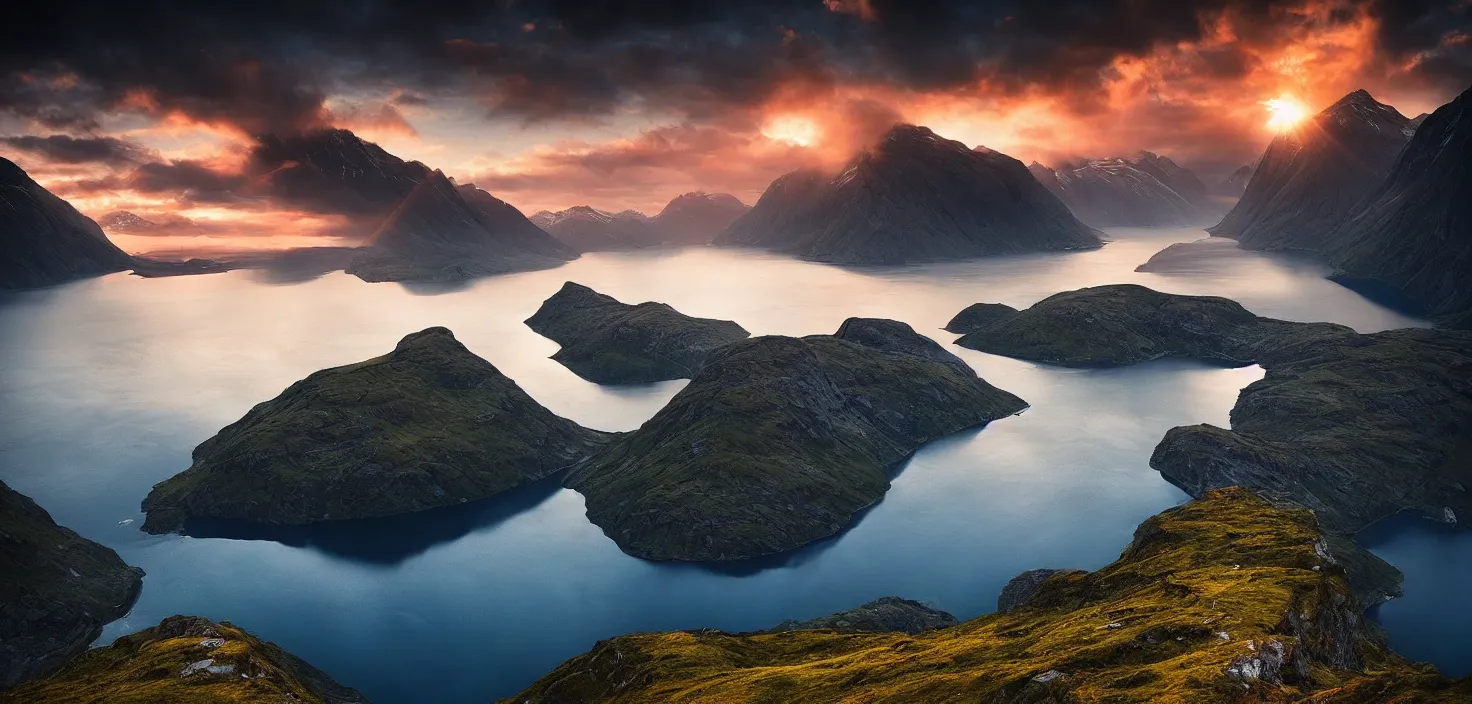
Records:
x=44, y=240
x=779, y=441
x=608, y=342
x=588, y=229
x=1145, y=190
x=57, y=590
x=1121, y=324
x=1191, y=612
x=1356, y=427
x=912, y=197
x=187, y=659
x=428, y=424
x=887, y=614
x=1020, y=588
x=1314, y=176
x=1415, y=234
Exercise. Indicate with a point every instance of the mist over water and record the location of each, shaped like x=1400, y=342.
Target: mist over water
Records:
x=107, y=385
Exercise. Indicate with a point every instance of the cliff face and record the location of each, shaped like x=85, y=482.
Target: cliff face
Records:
x=779, y=441
x=427, y=425
x=608, y=342
x=57, y=590
x=1416, y=232
x=1314, y=176
x=44, y=240
x=696, y=218
x=187, y=659
x=912, y=197
x=1142, y=191
x=1224, y=599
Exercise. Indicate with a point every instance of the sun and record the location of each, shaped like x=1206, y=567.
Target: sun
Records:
x=1286, y=111
x=797, y=131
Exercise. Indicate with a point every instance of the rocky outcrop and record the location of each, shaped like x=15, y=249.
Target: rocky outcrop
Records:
x=887, y=614
x=428, y=424
x=57, y=590
x=608, y=342
x=1121, y=324
x=912, y=197
x=1223, y=599
x=187, y=659
x=44, y=240
x=588, y=229
x=1018, y=589
x=1355, y=427
x=1141, y=191
x=780, y=441
x=1415, y=233
x=979, y=316
x=1316, y=174
x=696, y=218
x=423, y=227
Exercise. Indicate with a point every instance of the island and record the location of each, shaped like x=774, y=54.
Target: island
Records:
x=1355, y=427
x=608, y=342
x=187, y=659
x=1224, y=598
x=57, y=590
x=779, y=441
x=887, y=614
x=429, y=424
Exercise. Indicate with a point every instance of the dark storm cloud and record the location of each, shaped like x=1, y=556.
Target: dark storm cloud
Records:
x=65, y=149
x=189, y=180
x=266, y=66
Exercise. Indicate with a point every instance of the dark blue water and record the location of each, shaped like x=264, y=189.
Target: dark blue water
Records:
x=1433, y=623
x=106, y=386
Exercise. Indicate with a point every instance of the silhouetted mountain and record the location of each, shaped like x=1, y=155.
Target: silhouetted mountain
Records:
x=1313, y=176
x=1236, y=184
x=1146, y=190
x=696, y=218
x=1416, y=232
x=914, y=196
x=426, y=228
x=588, y=229
x=44, y=240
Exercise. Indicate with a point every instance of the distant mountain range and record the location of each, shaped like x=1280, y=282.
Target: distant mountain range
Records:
x=1313, y=176
x=44, y=240
x=1145, y=190
x=1384, y=198
x=696, y=218
x=913, y=196
x=689, y=219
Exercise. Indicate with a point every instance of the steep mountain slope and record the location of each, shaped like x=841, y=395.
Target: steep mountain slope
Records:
x=696, y=218
x=1143, y=191
x=1416, y=233
x=587, y=229
x=44, y=240
x=1315, y=175
x=913, y=196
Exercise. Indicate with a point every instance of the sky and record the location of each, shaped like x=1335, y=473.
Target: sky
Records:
x=155, y=107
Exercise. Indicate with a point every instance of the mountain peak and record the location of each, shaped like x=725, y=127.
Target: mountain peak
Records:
x=1360, y=108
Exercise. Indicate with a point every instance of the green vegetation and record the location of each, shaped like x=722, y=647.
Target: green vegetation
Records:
x=186, y=660
x=608, y=342
x=429, y=424
x=779, y=441
x=1224, y=599
x=57, y=589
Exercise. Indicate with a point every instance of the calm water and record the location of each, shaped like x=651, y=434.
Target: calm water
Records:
x=106, y=385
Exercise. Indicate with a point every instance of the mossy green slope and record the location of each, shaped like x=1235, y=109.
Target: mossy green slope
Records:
x=779, y=441
x=608, y=342
x=186, y=660
x=429, y=424
x=1121, y=324
x=1224, y=599
x=57, y=590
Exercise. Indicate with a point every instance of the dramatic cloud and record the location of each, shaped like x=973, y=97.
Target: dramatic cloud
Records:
x=65, y=149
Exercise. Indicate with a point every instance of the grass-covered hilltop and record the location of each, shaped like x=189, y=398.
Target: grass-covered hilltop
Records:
x=1355, y=427
x=428, y=424
x=779, y=441
x=186, y=660
x=1224, y=599
x=57, y=590
x=608, y=342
